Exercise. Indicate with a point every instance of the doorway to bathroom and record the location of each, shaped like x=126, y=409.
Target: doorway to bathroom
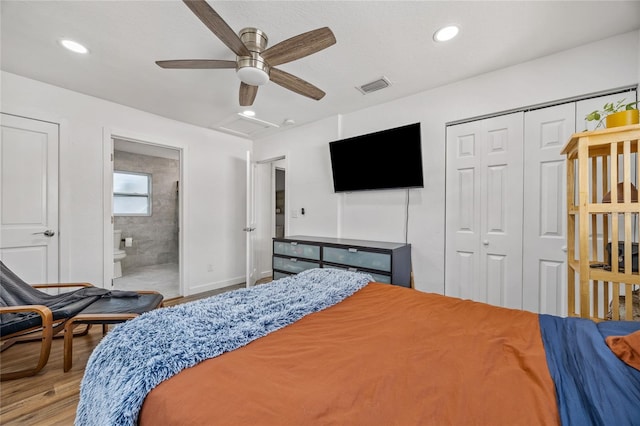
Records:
x=146, y=204
x=279, y=197
x=272, y=200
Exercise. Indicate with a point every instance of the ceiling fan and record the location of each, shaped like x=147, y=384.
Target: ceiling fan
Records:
x=255, y=63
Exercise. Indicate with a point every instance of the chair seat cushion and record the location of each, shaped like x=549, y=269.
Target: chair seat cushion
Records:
x=13, y=323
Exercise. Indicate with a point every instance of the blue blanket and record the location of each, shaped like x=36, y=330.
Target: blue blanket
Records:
x=139, y=354
x=593, y=387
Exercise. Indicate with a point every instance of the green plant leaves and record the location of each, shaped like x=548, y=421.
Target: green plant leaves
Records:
x=610, y=108
x=631, y=106
x=593, y=116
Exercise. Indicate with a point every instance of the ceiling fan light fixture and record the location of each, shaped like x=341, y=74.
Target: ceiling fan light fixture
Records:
x=253, y=76
x=252, y=70
x=446, y=33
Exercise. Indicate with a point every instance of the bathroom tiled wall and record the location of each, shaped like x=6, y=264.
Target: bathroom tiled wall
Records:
x=155, y=237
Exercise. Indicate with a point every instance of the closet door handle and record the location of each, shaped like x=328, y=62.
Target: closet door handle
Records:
x=564, y=249
x=485, y=242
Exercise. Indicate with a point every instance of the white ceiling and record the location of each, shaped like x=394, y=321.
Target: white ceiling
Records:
x=374, y=39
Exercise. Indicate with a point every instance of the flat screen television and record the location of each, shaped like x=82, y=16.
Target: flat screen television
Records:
x=389, y=159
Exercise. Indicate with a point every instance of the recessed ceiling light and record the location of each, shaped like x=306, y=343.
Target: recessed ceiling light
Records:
x=446, y=33
x=73, y=46
x=249, y=113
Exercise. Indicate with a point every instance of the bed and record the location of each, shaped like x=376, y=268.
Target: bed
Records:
x=331, y=347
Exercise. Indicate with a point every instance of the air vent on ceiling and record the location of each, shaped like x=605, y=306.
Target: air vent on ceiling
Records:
x=378, y=84
x=242, y=125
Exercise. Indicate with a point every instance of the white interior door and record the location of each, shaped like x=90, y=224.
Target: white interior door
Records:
x=250, y=224
x=544, y=275
x=29, y=198
x=484, y=211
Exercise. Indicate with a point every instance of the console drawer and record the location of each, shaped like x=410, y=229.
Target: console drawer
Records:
x=358, y=258
x=277, y=275
x=380, y=278
x=293, y=264
x=296, y=249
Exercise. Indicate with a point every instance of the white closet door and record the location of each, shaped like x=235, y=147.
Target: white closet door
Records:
x=464, y=154
x=484, y=211
x=501, y=198
x=544, y=250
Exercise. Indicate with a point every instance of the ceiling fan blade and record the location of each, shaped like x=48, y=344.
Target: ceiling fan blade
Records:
x=299, y=46
x=218, y=26
x=197, y=64
x=247, y=94
x=295, y=84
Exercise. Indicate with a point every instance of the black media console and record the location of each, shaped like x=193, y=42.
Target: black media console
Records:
x=386, y=262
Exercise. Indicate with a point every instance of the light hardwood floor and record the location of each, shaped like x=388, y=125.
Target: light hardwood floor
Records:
x=51, y=396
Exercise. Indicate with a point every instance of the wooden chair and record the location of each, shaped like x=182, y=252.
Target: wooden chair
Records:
x=28, y=314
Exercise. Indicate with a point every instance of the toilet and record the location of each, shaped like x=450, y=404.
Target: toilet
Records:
x=118, y=254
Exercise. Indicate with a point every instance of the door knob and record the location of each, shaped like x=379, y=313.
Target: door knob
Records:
x=564, y=249
x=485, y=242
x=47, y=233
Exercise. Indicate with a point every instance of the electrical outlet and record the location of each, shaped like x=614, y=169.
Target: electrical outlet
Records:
x=210, y=267
x=294, y=213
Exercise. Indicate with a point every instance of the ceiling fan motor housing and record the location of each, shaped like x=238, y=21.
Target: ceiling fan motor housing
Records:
x=255, y=39
x=253, y=70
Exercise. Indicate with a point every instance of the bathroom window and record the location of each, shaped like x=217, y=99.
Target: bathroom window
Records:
x=131, y=194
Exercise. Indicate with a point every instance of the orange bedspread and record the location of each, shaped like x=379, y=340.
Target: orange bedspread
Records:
x=385, y=356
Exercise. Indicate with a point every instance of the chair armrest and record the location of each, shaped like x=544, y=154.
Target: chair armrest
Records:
x=42, y=310
x=61, y=285
x=47, y=330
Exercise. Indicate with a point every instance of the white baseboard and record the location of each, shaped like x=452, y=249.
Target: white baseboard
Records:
x=265, y=274
x=214, y=285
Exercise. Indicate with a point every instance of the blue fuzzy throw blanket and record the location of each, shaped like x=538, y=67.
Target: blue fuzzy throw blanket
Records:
x=139, y=354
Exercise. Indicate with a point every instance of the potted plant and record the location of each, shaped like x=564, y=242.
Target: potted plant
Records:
x=618, y=114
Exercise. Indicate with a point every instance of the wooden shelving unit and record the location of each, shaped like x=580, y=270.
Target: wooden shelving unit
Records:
x=601, y=165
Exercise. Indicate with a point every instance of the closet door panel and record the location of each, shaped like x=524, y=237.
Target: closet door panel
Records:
x=463, y=209
x=495, y=290
x=501, y=218
x=544, y=242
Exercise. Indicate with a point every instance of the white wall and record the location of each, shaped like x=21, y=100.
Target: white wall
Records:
x=213, y=181
x=309, y=182
x=380, y=215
